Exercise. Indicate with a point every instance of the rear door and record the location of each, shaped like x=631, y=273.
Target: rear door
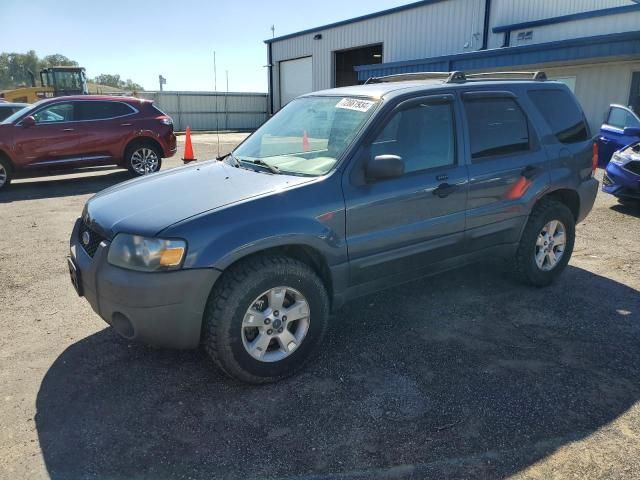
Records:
x=398, y=226
x=105, y=126
x=505, y=160
x=612, y=137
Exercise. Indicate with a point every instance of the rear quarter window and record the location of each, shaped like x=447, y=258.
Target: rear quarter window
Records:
x=562, y=115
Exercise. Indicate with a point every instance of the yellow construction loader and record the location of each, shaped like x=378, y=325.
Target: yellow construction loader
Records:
x=54, y=82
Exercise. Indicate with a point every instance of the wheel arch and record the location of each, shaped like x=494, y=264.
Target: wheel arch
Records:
x=569, y=197
x=142, y=140
x=5, y=155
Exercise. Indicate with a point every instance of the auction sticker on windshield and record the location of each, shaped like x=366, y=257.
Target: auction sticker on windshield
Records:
x=355, y=104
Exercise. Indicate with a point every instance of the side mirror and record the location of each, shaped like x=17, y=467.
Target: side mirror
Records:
x=631, y=132
x=28, y=121
x=385, y=166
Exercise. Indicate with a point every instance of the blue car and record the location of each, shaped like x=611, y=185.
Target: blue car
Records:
x=622, y=175
x=620, y=128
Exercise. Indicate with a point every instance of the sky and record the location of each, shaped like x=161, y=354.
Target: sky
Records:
x=140, y=39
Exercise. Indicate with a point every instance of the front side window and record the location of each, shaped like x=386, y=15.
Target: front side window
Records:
x=422, y=135
x=94, y=110
x=621, y=118
x=562, y=114
x=60, y=112
x=497, y=126
x=309, y=135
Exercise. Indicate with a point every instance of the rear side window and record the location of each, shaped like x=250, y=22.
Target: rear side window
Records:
x=497, y=126
x=94, y=110
x=621, y=118
x=562, y=114
x=5, y=112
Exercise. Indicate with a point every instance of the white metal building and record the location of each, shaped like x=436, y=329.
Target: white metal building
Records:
x=592, y=45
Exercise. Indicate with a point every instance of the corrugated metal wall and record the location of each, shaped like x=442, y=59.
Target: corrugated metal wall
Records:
x=508, y=12
x=437, y=29
x=211, y=110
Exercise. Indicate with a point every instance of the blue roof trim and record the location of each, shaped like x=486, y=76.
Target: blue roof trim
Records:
x=613, y=45
x=567, y=18
x=382, y=13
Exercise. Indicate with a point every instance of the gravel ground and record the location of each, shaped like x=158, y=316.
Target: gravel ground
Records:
x=465, y=375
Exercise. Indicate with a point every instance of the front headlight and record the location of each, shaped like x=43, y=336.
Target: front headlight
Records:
x=146, y=254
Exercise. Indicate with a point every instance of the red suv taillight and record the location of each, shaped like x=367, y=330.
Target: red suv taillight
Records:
x=594, y=157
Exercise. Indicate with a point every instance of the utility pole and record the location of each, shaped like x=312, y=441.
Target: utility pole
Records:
x=273, y=31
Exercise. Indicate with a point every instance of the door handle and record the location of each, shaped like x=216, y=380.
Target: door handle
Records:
x=529, y=172
x=68, y=129
x=445, y=189
x=126, y=124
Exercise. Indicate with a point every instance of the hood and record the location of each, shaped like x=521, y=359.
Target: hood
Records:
x=148, y=205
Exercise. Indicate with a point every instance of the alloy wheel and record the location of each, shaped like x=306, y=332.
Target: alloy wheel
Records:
x=275, y=324
x=144, y=161
x=550, y=245
x=3, y=175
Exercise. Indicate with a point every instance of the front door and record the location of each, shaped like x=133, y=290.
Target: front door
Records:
x=612, y=137
x=401, y=225
x=53, y=140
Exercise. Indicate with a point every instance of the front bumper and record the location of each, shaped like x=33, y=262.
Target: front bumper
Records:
x=620, y=182
x=162, y=309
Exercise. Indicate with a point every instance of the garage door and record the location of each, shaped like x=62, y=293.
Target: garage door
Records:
x=296, y=78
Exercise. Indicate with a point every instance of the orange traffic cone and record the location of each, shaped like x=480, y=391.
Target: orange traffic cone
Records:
x=305, y=141
x=188, y=148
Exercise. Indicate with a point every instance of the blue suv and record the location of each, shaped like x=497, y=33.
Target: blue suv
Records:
x=342, y=193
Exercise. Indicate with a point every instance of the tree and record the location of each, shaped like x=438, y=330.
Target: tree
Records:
x=15, y=68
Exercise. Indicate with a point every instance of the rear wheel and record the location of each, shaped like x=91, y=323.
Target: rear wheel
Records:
x=6, y=173
x=546, y=244
x=265, y=318
x=143, y=158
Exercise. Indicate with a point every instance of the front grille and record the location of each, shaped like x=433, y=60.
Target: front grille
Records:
x=633, y=167
x=94, y=239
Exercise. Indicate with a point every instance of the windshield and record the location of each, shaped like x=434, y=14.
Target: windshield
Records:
x=309, y=135
x=13, y=117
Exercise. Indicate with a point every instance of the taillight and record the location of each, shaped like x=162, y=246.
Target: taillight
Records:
x=594, y=157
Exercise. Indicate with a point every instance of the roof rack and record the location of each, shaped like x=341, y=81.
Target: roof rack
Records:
x=447, y=77
x=539, y=76
x=459, y=77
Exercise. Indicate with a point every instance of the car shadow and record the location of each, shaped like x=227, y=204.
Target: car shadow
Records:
x=632, y=209
x=53, y=186
x=463, y=375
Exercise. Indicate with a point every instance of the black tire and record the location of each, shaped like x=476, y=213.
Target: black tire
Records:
x=133, y=148
x=6, y=173
x=526, y=268
x=234, y=294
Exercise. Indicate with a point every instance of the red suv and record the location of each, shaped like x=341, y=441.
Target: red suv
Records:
x=85, y=131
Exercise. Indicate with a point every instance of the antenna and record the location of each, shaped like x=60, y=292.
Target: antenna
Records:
x=226, y=104
x=215, y=88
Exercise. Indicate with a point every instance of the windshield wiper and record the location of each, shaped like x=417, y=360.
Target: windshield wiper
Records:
x=262, y=163
x=234, y=160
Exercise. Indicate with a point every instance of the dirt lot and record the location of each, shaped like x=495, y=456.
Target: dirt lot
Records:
x=465, y=375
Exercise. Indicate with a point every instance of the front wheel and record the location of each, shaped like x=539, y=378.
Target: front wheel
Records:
x=264, y=318
x=143, y=159
x=5, y=173
x=546, y=244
